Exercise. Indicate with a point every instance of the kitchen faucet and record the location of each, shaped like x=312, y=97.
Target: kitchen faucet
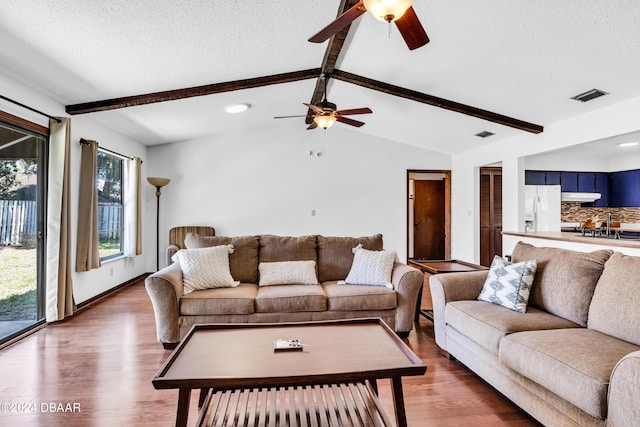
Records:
x=609, y=217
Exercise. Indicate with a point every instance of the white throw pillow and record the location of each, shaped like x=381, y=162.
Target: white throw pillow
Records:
x=509, y=285
x=206, y=268
x=371, y=268
x=288, y=273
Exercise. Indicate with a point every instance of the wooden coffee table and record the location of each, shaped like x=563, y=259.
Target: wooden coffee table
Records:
x=334, y=374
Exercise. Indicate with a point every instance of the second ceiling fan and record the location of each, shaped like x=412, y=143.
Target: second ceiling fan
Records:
x=399, y=11
x=325, y=113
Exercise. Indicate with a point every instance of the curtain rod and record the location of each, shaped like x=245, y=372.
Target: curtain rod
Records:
x=29, y=108
x=84, y=141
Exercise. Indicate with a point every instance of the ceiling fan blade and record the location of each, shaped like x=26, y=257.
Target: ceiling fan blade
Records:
x=314, y=108
x=289, y=117
x=349, y=121
x=313, y=125
x=365, y=110
x=412, y=30
x=341, y=21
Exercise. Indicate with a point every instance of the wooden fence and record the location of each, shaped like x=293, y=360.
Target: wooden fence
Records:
x=19, y=222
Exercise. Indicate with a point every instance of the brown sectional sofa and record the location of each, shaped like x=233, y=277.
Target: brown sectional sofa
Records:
x=176, y=312
x=573, y=359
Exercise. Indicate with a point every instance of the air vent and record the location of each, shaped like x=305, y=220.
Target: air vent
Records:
x=485, y=134
x=589, y=95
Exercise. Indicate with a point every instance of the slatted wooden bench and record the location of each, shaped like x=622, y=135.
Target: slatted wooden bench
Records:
x=350, y=404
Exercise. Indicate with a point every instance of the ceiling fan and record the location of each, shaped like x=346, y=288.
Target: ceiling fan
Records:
x=399, y=11
x=325, y=113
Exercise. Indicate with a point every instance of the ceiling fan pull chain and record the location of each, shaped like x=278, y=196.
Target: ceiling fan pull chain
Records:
x=389, y=27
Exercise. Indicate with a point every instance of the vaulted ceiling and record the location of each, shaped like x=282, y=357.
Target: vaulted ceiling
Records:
x=514, y=58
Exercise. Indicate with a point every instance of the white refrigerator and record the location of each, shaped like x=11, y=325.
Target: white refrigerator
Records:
x=542, y=207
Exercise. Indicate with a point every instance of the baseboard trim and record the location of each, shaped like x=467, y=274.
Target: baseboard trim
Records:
x=93, y=300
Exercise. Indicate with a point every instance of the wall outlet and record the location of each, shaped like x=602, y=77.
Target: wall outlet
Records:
x=313, y=212
x=110, y=271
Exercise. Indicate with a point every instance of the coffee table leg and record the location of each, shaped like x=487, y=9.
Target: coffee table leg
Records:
x=184, y=395
x=398, y=401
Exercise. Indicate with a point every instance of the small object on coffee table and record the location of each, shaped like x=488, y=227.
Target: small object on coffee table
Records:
x=287, y=345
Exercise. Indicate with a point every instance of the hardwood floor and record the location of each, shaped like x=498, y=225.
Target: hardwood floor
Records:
x=101, y=361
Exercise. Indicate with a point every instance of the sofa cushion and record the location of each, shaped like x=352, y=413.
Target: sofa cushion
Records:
x=509, y=285
x=486, y=323
x=615, y=307
x=206, y=268
x=282, y=248
x=335, y=254
x=565, y=279
x=238, y=300
x=243, y=262
x=288, y=273
x=575, y=364
x=290, y=299
x=356, y=297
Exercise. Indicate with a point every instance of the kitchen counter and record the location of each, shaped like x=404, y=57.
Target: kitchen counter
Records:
x=578, y=238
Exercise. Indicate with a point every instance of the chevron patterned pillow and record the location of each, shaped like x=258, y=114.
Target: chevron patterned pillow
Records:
x=509, y=285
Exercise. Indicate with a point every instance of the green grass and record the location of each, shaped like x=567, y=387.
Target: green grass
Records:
x=18, y=284
x=109, y=247
x=18, y=280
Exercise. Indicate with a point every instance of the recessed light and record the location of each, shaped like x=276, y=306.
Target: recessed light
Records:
x=236, y=108
x=628, y=144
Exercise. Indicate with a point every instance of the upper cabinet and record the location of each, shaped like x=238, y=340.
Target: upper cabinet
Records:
x=602, y=186
x=583, y=182
x=625, y=188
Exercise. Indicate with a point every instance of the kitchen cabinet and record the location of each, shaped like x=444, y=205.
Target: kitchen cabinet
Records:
x=569, y=182
x=618, y=189
x=625, y=189
x=602, y=187
x=534, y=177
x=586, y=182
x=542, y=177
x=554, y=178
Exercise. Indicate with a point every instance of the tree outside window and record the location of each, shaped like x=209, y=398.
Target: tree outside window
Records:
x=110, y=209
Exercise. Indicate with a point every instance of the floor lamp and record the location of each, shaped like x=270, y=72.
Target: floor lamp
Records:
x=158, y=183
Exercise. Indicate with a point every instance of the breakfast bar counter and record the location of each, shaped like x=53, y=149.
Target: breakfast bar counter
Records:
x=570, y=240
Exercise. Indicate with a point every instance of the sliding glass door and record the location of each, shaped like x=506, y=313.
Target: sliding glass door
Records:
x=22, y=213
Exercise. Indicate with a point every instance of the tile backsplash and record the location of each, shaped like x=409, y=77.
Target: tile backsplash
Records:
x=573, y=212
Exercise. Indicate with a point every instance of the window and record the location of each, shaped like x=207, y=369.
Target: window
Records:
x=110, y=209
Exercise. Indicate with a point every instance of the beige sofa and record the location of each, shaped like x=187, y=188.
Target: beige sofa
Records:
x=573, y=359
x=176, y=312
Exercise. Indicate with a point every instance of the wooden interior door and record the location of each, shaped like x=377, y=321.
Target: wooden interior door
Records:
x=490, y=214
x=429, y=228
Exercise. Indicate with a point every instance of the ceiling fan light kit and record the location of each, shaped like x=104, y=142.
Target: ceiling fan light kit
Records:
x=324, y=122
x=387, y=10
x=399, y=11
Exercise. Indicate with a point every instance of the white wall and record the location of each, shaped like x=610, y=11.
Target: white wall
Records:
x=87, y=284
x=265, y=181
x=617, y=119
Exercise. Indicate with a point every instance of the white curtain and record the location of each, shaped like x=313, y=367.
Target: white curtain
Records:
x=132, y=210
x=59, y=285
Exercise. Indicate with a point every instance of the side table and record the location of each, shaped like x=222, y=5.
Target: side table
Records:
x=431, y=267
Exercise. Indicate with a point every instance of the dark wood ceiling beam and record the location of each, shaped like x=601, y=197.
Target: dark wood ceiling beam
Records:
x=435, y=101
x=331, y=56
x=172, y=95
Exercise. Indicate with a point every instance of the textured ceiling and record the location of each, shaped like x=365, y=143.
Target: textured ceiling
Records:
x=523, y=59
